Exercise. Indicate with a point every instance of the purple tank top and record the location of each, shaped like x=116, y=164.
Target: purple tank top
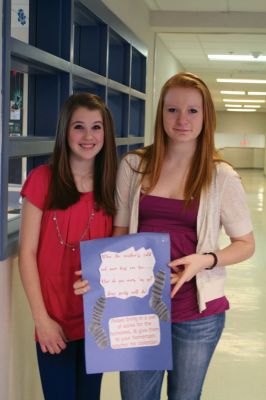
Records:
x=159, y=214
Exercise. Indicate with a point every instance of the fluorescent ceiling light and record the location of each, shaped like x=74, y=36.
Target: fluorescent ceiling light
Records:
x=233, y=105
x=257, y=93
x=225, y=80
x=251, y=106
x=232, y=92
x=241, y=109
x=236, y=57
x=243, y=101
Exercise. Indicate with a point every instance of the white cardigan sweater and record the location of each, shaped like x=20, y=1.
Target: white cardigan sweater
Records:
x=223, y=204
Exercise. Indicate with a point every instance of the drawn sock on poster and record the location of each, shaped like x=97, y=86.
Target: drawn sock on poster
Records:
x=95, y=327
x=155, y=301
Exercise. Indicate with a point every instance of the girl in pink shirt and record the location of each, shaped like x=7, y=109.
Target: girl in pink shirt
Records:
x=69, y=200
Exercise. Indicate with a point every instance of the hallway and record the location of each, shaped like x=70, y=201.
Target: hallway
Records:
x=237, y=371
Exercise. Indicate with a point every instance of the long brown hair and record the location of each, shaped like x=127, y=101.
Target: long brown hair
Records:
x=63, y=192
x=201, y=169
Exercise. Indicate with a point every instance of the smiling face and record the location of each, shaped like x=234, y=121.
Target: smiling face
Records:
x=183, y=114
x=85, y=134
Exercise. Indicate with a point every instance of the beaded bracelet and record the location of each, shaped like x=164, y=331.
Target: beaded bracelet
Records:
x=215, y=260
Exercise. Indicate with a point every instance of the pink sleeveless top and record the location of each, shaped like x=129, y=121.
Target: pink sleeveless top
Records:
x=158, y=214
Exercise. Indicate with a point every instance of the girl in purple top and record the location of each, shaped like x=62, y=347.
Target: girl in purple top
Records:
x=181, y=186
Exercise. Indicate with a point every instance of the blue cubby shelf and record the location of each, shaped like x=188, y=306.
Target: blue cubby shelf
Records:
x=121, y=151
x=90, y=40
x=135, y=146
x=119, y=58
x=73, y=46
x=138, y=74
x=136, y=119
x=118, y=103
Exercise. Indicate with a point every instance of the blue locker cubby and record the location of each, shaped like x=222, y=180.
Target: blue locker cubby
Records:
x=90, y=41
x=15, y=178
x=89, y=86
x=50, y=26
x=118, y=104
x=73, y=46
x=121, y=150
x=135, y=146
x=138, y=71
x=33, y=162
x=119, y=58
x=137, y=110
x=15, y=170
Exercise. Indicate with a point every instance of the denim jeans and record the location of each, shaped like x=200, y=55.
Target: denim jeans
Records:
x=193, y=345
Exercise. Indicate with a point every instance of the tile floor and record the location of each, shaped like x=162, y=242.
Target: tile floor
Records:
x=238, y=369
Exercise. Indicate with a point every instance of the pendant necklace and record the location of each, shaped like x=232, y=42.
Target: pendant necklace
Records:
x=72, y=246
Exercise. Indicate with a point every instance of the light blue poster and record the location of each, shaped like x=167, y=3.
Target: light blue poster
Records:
x=127, y=310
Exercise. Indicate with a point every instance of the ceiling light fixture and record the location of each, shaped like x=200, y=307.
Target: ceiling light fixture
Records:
x=233, y=105
x=243, y=101
x=232, y=92
x=241, y=109
x=251, y=106
x=237, y=57
x=225, y=80
x=257, y=93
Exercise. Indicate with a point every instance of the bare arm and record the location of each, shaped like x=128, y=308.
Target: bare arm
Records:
x=120, y=230
x=238, y=250
x=50, y=334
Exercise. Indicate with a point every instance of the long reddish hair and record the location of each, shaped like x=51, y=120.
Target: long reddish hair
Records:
x=201, y=168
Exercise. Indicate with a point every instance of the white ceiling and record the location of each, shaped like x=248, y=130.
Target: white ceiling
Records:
x=192, y=29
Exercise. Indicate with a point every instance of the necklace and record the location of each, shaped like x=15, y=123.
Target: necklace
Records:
x=72, y=246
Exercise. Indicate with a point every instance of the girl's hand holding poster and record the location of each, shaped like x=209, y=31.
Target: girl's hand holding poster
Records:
x=127, y=309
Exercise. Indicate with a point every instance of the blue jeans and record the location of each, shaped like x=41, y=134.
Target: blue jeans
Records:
x=63, y=375
x=193, y=345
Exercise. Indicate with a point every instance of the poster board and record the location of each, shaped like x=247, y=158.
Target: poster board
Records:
x=127, y=310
